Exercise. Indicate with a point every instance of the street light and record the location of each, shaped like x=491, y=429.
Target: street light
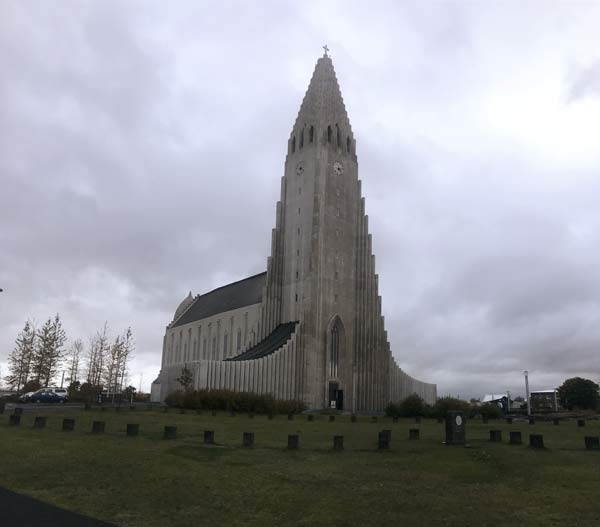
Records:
x=526, y=372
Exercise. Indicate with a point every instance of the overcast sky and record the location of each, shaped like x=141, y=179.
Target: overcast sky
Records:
x=142, y=145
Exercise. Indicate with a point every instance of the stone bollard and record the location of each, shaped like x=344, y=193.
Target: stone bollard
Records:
x=170, y=432
x=413, y=433
x=580, y=423
x=39, y=422
x=290, y=417
x=555, y=421
x=515, y=437
x=98, y=427
x=331, y=418
x=338, y=442
x=209, y=437
x=311, y=417
x=484, y=420
x=418, y=419
x=294, y=442
x=592, y=442
x=14, y=420
x=374, y=419
x=394, y=419
x=133, y=430
x=18, y=411
x=248, y=439
x=532, y=420
x=214, y=413
x=68, y=425
x=496, y=436
x=536, y=440
x=383, y=440
x=509, y=420
x=353, y=419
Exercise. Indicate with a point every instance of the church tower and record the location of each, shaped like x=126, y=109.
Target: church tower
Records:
x=321, y=272
x=316, y=331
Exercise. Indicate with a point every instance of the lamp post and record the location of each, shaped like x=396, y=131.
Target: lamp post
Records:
x=526, y=372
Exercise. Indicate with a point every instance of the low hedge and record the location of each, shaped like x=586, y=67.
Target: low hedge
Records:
x=233, y=402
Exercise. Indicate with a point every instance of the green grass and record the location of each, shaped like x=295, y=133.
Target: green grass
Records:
x=147, y=481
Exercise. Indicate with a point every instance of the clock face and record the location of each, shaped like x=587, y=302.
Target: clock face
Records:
x=458, y=420
x=338, y=168
x=300, y=168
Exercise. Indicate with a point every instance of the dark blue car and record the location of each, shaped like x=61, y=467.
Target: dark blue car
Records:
x=46, y=395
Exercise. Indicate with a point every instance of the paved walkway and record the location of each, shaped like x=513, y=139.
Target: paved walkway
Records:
x=17, y=510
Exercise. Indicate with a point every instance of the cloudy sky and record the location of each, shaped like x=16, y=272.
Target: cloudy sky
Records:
x=142, y=143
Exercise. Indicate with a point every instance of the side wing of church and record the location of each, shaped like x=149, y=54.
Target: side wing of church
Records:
x=311, y=327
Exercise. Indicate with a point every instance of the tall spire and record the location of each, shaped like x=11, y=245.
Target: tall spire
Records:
x=323, y=103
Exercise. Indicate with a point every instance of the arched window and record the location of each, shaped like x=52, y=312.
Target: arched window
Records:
x=329, y=134
x=348, y=144
x=334, y=351
x=302, y=138
x=293, y=144
x=311, y=134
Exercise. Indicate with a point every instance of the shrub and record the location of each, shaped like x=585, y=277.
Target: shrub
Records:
x=232, y=401
x=450, y=404
x=579, y=393
x=412, y=406
x=490, y=411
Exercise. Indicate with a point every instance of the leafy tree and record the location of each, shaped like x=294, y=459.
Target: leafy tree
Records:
x=450, y=404
x=96, y=355
x=49, y=350
x=186, y=379
x=490, y=411
x=21, y=359
x=412, y=406
x=579, y=393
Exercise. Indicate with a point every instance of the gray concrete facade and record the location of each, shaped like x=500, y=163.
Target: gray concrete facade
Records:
x=321, y=274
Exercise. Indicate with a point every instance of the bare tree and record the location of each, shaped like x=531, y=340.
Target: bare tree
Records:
x=74, y=357
x=96, y=356
x=21, y=359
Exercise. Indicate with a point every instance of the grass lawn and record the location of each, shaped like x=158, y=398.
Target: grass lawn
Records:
x=148, y=481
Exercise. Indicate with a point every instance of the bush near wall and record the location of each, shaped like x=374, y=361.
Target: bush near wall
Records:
x=412, y=406
x=227, y=400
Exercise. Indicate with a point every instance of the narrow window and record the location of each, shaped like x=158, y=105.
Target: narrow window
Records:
x=335, y=275
x=297, y=252
x=239, y=340
x=296, y=297
x=296, y=275
x=298, y=210
x=298, y=231
x=302, y=138
x=311, y=133
x=337, y=136
x=348, y=144
x=293, y=144
x=329, y=134
x=334, y=351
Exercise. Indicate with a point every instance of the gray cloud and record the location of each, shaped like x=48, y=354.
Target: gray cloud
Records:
x=143, y=148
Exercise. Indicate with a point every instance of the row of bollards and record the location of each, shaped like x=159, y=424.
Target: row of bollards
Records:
x=537, y=440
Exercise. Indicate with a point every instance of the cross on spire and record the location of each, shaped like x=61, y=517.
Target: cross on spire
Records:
x=326, y=49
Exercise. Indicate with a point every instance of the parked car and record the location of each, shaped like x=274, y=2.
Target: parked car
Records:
x=26, y=397
x=61, y=392
x=47, y=395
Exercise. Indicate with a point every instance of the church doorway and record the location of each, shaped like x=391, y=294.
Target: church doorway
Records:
x=336, y=396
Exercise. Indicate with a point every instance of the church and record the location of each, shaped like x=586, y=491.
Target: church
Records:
x=310, y=328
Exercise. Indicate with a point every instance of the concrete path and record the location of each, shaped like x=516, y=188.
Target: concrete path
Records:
x=17, y=510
